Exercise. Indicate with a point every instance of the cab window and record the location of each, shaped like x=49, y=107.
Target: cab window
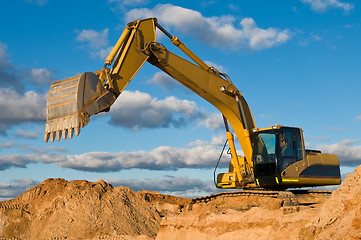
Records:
x=290, y=147
x=265, y=148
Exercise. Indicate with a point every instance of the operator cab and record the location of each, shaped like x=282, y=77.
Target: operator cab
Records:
x=274, y=150
x=281, y=161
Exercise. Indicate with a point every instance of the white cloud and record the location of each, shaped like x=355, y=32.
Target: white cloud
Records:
x=102, y=53
x=219, y=68
x=163, y=80
x=95, y=39
x=262, y=38
x=96, y=42
x=178, y=186
x=324, y=5
x=311, y=38
x=217, y=31
x=6, y=145
x=199, y=154
x=16, y=160
x=26, y=133
x=345, y=150
x=219, y=140
x=19, y=108
x=15, y=107
x=9, y=75
x=22, y=160
x=41, y=75
x=50, y=150
x=139, y=110
x=161, y=158
x=14, y=188
x=212, y=121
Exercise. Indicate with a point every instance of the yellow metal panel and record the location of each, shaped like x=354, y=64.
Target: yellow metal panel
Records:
x=208, y=86
x=227, y=180
x=289, y=180
x=133, y=54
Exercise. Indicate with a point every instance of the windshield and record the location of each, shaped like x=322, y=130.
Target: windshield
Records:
x=265, y=148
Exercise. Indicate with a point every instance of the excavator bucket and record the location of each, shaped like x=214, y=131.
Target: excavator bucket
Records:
x=71, y=101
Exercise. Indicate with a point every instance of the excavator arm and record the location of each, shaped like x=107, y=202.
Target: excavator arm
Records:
x=68, y=109
x=209, y=84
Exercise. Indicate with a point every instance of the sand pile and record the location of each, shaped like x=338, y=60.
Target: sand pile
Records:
x=166, y=205
x=237, y=218
x=60, y=209
x=340, y=216
x=57, y=208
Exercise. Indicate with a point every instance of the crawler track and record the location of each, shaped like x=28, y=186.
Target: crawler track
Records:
x=311, y=197
x=290, y=198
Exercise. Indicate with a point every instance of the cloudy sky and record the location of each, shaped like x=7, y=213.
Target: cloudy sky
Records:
x=296, y=62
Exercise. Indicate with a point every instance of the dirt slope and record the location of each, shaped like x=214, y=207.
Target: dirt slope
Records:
x=339, y=217
x=60, y=209
x=77, y=209
x=237, y=218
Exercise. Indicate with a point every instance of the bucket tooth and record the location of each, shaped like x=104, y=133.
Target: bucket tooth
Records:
x=58, y=135
x=71, y=132
x=65, y=133
x=77, y=131
x=46, y=137
x=52, y=136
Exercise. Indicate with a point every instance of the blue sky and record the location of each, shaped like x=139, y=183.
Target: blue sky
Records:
x=296, y=62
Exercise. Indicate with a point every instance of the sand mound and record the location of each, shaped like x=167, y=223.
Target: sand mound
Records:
x=237, y=218
x=57, y=208
x=340, y=216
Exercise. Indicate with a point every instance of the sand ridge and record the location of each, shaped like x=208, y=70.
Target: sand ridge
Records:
x=60, y=209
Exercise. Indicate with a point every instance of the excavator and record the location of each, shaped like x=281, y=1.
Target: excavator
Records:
x=274, y=157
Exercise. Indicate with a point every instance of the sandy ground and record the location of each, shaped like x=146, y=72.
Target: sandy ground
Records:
x=77, y=210
x=338, y=217
x=58, y=209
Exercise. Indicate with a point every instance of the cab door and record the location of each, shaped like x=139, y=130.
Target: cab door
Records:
x=264, y=159
x=290, y=151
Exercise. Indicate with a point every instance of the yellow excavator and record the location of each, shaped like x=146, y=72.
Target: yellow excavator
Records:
x=274, y=157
